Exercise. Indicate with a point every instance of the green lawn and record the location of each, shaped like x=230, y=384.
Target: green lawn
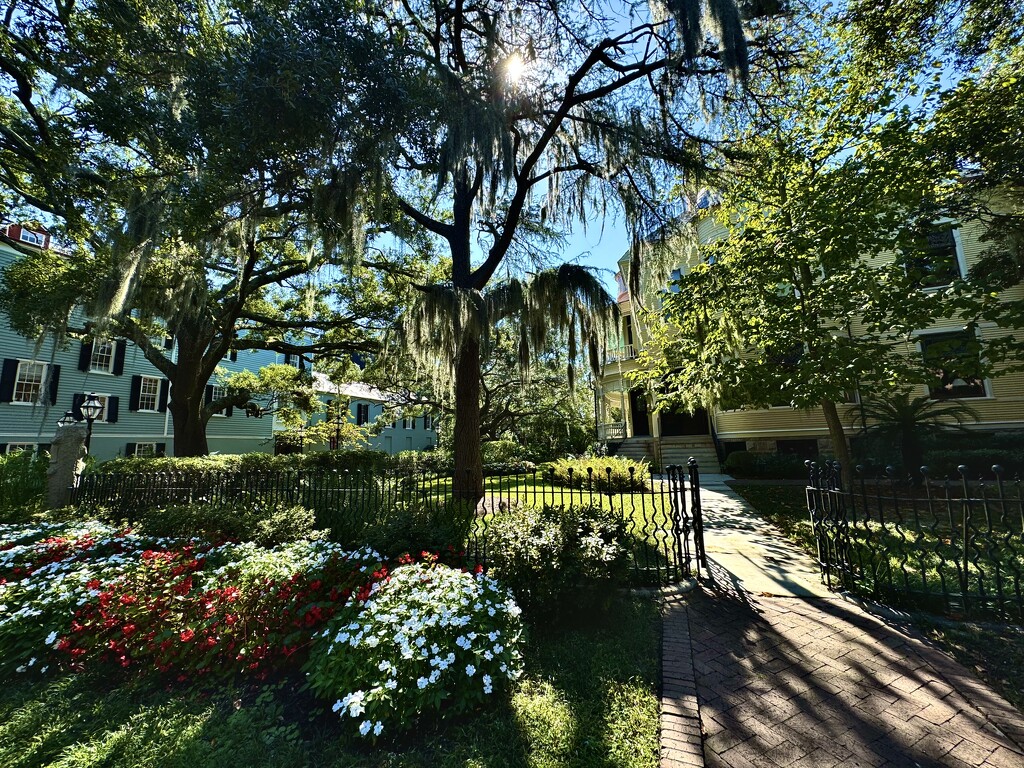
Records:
x=588, y=698
x=994, y=652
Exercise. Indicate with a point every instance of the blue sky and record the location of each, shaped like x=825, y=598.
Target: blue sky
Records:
x=597, y=248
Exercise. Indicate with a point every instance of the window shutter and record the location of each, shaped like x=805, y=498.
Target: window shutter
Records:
x=119, y=349
x=165, y=388
x=129, y=449
x=168, y=342
x=85, y=356
x=161, y=449
x=287, y=358
x=229, y=410
x=113, y=404
x=3, y=448
x=54, y=383
x=302, y=363
x=76, y=405
x=208, y=395
x=135, y=393
x=233, y=355
x=44, y=447
x=7, y=379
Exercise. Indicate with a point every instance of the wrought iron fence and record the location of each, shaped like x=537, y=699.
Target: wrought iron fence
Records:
x=941, y=545
x=663, y=527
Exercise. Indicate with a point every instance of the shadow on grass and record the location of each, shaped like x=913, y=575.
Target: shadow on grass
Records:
x=588, y=698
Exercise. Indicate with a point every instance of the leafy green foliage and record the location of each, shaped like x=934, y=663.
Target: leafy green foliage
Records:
x=606, y=473
x=746, y=464
x=553, y=557
x=22, y=483
x=266, y=524
x=353, y=460
x=438, y=526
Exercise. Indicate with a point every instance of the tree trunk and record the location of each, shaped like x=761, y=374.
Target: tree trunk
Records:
x=468, y=482
x=188, y=389
x=840, y=445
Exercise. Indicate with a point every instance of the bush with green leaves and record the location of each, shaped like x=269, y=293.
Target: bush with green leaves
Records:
x=553, y=555
x=503, y=452
x=606, y=473
x=413, y=527
x=352, y=460
x=430, y=640
x=768, y=465
x=504, y=469
x=22, y=483
x=252, y=519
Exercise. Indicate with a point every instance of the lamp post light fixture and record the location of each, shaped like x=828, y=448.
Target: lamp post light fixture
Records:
x=67, y=419
x=91, y=409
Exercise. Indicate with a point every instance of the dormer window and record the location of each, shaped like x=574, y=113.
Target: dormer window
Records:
x=936, y=262
x=32, y=238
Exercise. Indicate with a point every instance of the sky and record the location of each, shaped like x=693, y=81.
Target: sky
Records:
x=597, y=248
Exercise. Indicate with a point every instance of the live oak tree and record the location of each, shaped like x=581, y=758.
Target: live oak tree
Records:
x=530, y=116
x=176, y=151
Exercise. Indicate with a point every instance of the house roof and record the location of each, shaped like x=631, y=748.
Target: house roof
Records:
x=354, y=389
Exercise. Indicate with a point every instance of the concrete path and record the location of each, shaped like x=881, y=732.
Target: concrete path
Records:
x=763, y=667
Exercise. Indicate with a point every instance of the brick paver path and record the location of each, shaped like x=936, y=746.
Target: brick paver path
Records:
x=779, y=681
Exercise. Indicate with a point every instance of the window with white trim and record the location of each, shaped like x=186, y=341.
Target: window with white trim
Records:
x=149, y=393
x=145, y=449
x=954, y=358
x=936, y=263
x=18, y=447
x=428, y=421
x=32, y=238
x=216, y=393
x=102, y=360
x=362, y=414
x=104, y=401
x=28, y=384
x=408, y=423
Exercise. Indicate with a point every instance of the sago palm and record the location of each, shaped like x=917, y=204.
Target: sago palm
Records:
x=906, y=420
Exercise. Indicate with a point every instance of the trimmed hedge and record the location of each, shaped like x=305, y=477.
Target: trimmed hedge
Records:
x=620, y=478
x=744, y=464
x=359, y=459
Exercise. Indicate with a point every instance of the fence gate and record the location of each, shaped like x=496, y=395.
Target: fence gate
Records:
x=687, y=524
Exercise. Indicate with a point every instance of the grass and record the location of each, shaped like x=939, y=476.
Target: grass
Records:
x=588, y=698
x=994, y=652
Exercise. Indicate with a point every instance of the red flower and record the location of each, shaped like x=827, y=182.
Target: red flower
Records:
x=186, y=635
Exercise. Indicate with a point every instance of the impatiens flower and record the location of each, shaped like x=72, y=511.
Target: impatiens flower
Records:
x=364, y=727
x=51, y=638
x=470, y=670
x=422, y=683
x=377, y=728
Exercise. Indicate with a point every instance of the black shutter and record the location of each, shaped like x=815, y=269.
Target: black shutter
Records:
x=287, y=358
x=233, y=355
x=302, y=363
x=7, y=379
x=119, y=349
x=168, y=342
x=135, y=393
x=208, y=395
x=76, y=405
x=85, y=356
x=129, y=449
x=113, y=404
x=3, y=448
x=161, y=449
x=229, y=410
x=165, y=387
x=54, y=383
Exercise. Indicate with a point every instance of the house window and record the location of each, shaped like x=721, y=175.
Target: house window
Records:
x=32, y=238
x=145, y=449
x=149, y=393
x=362, y=414
x=408, y=423
x=935, y=263
x=102, y=360
x=787, y=364
x=18, y=447
x=954, y=359
x=28, y=383
x=105, y=402
x=428, y=421
x=216, y=393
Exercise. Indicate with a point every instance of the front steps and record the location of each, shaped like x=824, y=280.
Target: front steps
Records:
x=671, y=450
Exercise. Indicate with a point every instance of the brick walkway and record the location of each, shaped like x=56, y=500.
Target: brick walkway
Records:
x=778, y=681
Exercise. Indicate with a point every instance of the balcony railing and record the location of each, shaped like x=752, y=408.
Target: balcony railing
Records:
x=614, y=430
x=626, y=352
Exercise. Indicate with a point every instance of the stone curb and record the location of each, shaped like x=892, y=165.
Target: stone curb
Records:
x=681, y=736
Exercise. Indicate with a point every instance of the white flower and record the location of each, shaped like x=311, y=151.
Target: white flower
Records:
x=470, y=670
x=422, y=683
x=337, y=706
x=378, y=728
x=434, y=676
x=51, y=638
x=364, y=727
x=392, y=684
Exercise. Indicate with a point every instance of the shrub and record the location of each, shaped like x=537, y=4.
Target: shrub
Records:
x=625, y=475
x=510, y=468
x=740, y=463
x=22, y=482
x=418, y=526
x=429, y=640
x=545, y=555
x=352, y=460
x=503, y=452
x=979, y=462
x=775, y=466
x=251, y=519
